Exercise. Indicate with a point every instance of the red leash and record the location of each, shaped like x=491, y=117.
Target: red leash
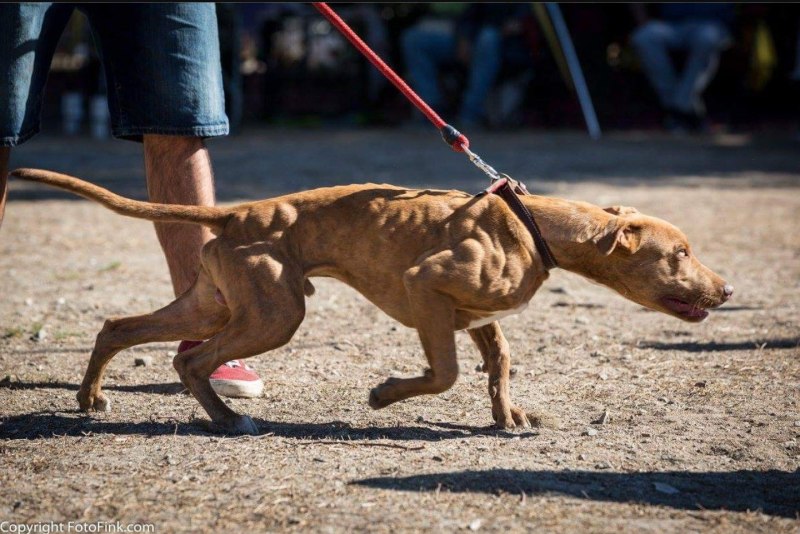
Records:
x=502, y=185
x=451, y=136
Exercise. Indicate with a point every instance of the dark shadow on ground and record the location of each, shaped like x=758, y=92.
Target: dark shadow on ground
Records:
x=88, y=349
x=589, y=306
x=737, y=308
x=48, y=424
x=771, y=492
x=714, y=346
x=64, y=350
x=158, y=388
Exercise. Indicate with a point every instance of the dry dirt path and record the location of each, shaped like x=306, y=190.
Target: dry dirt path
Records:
x=703, y=431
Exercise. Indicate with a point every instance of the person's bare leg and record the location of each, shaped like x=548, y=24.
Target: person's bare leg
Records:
x=179, y=171
x=5, y=153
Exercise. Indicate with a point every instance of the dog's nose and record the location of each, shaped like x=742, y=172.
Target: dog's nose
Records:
x=727, y=291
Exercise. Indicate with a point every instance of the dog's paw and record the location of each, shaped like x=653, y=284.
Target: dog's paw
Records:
x=246, y=425
x=98, y=403
x=239, y=425
x=375, y=401
x=377, y=395
x=518, y=419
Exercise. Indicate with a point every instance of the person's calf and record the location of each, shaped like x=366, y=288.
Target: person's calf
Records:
x=179, y=171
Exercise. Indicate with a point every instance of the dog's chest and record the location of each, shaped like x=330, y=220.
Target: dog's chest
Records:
x=477, y=323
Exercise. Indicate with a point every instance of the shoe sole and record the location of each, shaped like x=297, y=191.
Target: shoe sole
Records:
x=240, y=389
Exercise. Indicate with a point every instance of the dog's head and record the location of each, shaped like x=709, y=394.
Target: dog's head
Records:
x=649, y=261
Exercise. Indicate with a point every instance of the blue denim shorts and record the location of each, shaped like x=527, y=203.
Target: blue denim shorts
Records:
x=161, y=62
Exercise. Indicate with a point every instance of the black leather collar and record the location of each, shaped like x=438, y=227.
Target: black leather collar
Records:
x=503, y=189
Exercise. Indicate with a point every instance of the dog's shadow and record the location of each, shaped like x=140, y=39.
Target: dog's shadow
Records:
x=715, y=346
x=54, y=423
x=73, y=423
x=771, y=492
x=163, y=388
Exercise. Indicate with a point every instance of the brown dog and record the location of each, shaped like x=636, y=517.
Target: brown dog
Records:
x=437, y=261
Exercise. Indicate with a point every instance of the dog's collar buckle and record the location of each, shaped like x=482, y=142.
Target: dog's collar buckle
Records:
x=503, y=179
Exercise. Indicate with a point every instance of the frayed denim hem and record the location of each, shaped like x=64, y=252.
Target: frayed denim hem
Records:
x=135, y=133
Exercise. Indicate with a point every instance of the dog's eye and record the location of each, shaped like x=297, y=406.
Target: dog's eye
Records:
x=683, y=253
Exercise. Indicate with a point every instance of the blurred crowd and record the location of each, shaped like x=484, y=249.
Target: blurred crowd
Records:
x=684, y=67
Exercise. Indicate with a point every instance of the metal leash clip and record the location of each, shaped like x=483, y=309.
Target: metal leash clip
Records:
x=482, y=165
x=517, y=186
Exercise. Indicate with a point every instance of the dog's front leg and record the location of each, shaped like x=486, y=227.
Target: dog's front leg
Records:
x=497, y=362
x=434, y=317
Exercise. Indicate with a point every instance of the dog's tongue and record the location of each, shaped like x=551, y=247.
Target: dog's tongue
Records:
x=685, y=308
x=697, y=312
x=679, y=305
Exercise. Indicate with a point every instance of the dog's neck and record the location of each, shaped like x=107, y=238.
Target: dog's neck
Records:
x=569, y=228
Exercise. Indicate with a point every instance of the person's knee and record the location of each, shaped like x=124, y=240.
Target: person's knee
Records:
x=412, y=42
x=652, y=33
x=172, y=144
x=709, y=37
x=178, y=170
x=489, y=36
x=488, y=42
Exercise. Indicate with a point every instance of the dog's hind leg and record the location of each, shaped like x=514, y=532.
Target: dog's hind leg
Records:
x=257, y=325
x=264, y=292
x=497, y=362
x=194, y=315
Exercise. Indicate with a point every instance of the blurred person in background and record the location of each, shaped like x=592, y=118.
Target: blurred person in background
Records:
x=703, y=31
x=479, y=37
x=375, y=34
x=165, y=90
x=85, y=86
x=309, y=66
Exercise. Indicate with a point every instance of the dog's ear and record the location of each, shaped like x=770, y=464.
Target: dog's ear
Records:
x=621, y=211
x=619, y=233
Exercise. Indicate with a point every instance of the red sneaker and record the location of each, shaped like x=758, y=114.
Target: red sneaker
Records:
x=232, y=379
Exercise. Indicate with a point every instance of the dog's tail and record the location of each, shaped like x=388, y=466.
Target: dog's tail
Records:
x=214, y=218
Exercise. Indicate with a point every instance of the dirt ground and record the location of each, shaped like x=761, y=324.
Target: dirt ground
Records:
x=703, y=426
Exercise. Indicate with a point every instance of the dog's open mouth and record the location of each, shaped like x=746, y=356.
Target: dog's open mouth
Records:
x=688, y=311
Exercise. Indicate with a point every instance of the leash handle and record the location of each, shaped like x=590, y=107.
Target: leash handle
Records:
x=452, y=137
